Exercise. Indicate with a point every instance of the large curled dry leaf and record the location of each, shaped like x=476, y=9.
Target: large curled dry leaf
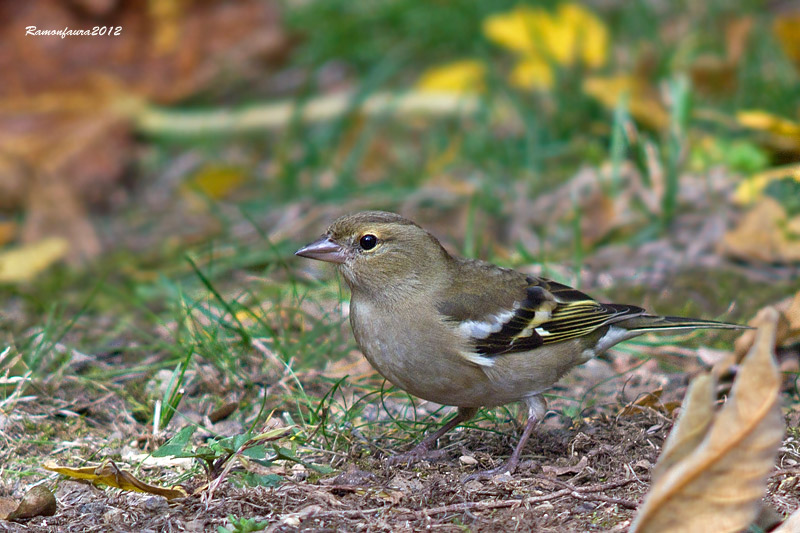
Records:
x=713, y=471
x=109, y=474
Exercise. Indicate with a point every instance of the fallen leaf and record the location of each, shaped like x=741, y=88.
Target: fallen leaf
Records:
x=779, y=133
x=714, y=74
x=7, y=232
x=532, y=72
x=691, y=427
x=109, y=474
x=761, y=235
x=7, y=506
x=785, y=29
x=787, y=330
x=23, y=263
x=466, y=76
x=752, y=189
x=213, y=182
x=570, y=35
x=517, y=30
x=38, y=501
x=713, y=471
x=651, y=400
x=644, y=103
x=585, y=37
x=66, y=111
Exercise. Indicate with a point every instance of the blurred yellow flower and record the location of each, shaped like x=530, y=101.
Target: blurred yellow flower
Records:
x=570, y=35
x=466, y=76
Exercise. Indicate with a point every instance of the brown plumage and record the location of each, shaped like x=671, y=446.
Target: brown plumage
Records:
x=464, y=332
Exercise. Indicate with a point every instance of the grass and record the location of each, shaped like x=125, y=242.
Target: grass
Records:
x=227, y=314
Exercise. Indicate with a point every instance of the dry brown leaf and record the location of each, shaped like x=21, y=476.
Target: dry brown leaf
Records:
x=38, y=501
x=7, y=506
x=716, y=75
x=787, y=330
x=109, y=474
x=599, y=216
x=785, y=29
x=762, y=235
x=650, y=400
x=692, y=425
x=7, y=232
x=718, y=485
x=66, y=103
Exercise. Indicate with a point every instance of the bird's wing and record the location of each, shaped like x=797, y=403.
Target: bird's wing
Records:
x=528, y=312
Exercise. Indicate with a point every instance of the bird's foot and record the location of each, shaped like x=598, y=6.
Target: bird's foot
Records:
x=420, y=452
x=506, y=469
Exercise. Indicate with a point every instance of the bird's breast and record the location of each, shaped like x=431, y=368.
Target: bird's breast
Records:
x=418, y=353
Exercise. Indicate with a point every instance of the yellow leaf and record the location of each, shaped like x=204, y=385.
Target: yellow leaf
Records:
x=752, y=189
x=570, y=35
x=23, y=263
x=643, y=101
x=761, y=120
x=581, y=36
x=214, y=181
x=465, y=76
x=591, y=34
x=109, y=474
x=518, y=30
x=713, y=472
x=532, y=73
x=782, y=133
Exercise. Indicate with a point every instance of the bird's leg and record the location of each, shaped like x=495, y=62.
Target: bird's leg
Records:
x=423, y=449
x=536, y=411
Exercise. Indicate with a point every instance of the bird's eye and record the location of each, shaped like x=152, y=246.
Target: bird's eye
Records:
x=368, y=242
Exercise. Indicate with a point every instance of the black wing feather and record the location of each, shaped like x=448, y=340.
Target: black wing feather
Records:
x=571, y=314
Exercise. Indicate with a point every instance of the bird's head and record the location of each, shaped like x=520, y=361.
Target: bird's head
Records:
x=379, y=252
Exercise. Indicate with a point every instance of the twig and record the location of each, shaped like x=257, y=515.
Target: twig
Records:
x=586, y=493
x=580, y=492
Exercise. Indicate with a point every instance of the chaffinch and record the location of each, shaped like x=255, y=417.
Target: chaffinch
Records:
x=464, y=332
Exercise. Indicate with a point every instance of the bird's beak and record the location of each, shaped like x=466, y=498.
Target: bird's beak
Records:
x=323, y=249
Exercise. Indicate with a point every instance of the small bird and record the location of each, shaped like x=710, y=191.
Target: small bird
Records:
x=465, y=332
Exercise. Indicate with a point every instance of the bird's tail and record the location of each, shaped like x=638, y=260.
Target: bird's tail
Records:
x=644, y=323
